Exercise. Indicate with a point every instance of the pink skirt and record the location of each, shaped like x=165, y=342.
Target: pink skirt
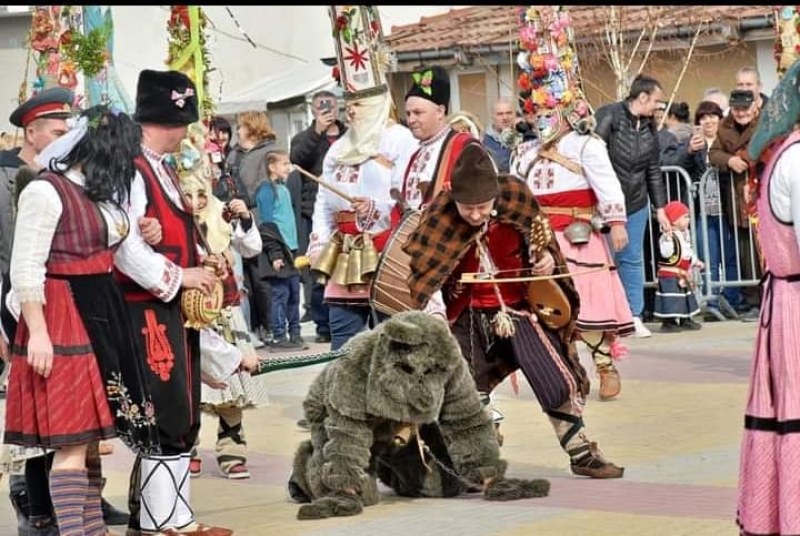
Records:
x=604, y=306
x=769, y=471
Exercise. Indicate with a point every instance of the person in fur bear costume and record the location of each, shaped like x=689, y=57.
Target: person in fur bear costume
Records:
x=401, y=407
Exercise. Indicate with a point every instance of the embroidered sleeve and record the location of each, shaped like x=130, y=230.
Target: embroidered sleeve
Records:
x=603, y=180
x=38, y=213
x=322, y=222
x=136, y=259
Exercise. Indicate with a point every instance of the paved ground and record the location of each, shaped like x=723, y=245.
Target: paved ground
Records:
x=676, y=429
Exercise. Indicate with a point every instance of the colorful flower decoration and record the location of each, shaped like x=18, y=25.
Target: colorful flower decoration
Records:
x=548, y=78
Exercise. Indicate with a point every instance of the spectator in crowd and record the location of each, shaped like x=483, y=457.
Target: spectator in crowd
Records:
x=716, y=227
x=729, y=154
x=248, y=165
x=502, y=120
x=679, y=121
x=631, y=136
x=749, y=79
x=308, y=150
x=280, y=244
x=667, y=142
x=718, y=97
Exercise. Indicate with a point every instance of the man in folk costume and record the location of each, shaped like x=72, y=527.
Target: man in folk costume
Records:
x=153, y=279
x=484, y=223
x=427, y=108
x=568, y=169
x=365, y=164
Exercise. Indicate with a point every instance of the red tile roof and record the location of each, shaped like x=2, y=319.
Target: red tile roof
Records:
x=497, y=25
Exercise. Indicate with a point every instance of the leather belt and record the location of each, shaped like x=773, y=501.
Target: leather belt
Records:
x=345, y=216
x=569, y=211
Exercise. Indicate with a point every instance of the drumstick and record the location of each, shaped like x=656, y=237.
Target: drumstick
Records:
x=330, y=187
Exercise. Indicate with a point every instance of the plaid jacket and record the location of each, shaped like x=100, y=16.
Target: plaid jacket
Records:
x=443, y=238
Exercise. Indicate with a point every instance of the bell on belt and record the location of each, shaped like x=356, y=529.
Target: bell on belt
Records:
x=354, y=262
x=326, y=261
x=369, y=257
x=339, y=275
x=578, y=232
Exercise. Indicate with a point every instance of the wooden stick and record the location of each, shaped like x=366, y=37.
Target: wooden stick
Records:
x=683, y=72
x=477, y=277
x=330, y=187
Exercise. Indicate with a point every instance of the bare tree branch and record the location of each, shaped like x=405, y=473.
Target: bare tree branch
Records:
x=683, y=71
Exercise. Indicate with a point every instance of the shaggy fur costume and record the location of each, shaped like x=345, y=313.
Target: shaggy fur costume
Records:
x=406, y=372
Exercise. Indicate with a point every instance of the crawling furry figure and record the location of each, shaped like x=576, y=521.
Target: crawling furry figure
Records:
x=401, y=406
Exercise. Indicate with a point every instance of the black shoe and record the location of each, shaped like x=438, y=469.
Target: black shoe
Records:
x=323, y=339
x=112, y=516
x=306, y=317
x=690, y=324
x=670, y=326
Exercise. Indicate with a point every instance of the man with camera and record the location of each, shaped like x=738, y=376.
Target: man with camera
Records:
x=308, y=149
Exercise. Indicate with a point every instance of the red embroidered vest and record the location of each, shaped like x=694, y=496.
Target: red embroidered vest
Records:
x=80, y=243
x=178, y=243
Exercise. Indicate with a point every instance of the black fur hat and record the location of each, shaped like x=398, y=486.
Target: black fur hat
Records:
x=432, y=84
x=165, y=98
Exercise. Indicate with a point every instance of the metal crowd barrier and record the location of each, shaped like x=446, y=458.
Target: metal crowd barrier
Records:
x=729, y=240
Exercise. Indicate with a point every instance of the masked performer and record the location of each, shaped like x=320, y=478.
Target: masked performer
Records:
x=364, y=164
x=569, y=172
x=401, y=407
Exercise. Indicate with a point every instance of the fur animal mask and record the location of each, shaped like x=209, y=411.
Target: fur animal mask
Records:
x=405, y=362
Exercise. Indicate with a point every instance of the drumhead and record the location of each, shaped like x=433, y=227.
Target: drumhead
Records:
x=389, y=291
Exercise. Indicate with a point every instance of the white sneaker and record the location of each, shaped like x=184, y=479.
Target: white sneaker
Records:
x=641, y=330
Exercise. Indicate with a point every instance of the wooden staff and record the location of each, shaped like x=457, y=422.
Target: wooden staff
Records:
x=330, y=187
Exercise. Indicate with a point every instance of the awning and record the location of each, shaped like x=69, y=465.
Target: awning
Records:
x=301, y=80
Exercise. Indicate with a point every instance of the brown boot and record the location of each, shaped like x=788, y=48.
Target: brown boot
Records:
x=592, y=463
x=610, y=384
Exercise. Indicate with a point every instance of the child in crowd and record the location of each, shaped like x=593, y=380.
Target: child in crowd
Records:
x=279, y=234
x=675, y=300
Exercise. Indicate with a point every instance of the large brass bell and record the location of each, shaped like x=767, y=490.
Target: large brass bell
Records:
x=369, y=257
x=354, y=262
x=339, y=275
x=326, y=262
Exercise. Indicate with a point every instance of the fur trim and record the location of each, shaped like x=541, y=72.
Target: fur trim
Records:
x=512, y=489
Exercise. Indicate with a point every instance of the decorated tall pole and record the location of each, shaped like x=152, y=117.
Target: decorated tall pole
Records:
x=787, y=38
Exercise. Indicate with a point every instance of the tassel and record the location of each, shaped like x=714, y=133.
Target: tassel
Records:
x=618, y=350
x=503, y=325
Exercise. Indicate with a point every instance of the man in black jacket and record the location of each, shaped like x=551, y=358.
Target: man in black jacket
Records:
x=308, y=149
x=631, y=135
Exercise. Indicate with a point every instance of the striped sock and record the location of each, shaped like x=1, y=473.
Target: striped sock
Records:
x=68, y=492
x=93, y=524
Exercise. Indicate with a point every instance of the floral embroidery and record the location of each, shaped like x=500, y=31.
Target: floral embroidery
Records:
x=137, y=415
x=160, y=357
x=347, y=174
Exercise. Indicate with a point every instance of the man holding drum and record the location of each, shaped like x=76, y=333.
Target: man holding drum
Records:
x=491, y=227
x=351, y=220
x=153, y=280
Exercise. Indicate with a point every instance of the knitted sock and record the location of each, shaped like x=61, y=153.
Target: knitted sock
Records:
x=93, y=524
x=68, y=493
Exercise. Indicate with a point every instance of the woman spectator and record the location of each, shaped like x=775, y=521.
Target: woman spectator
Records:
x=715, y=226
x=248, y=165
x=679, y=121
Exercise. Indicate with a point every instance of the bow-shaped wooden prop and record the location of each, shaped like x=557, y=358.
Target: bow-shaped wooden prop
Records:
x=486, y=277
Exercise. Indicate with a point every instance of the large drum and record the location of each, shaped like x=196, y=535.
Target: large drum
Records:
x=389, y=292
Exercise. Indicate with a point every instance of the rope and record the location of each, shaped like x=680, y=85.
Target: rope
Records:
x=272, y=364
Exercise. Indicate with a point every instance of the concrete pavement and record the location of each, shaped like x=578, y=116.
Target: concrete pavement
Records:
x=676, y=428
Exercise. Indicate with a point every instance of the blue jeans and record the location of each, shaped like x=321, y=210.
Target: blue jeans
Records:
x=285, y=306
x=720, y=234
x=630, y=261
x=346, y=321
